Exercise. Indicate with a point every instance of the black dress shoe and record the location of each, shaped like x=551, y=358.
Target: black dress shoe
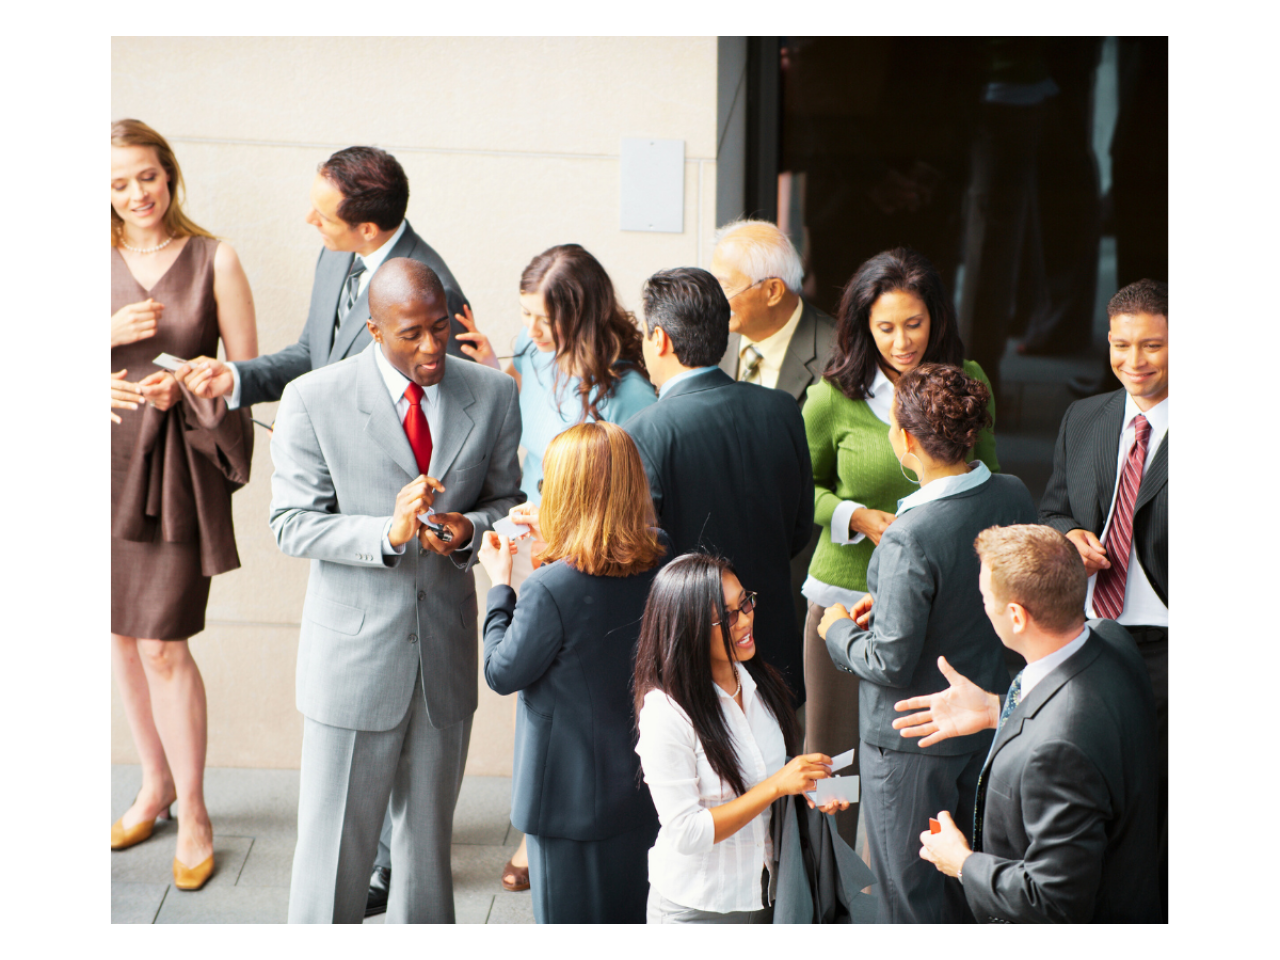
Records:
x=379, y=887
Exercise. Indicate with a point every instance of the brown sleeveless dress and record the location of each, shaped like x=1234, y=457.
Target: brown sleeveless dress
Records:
x=172, y=471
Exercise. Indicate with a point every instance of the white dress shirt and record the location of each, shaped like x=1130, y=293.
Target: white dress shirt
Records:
x=1037, y=670
x=773, y=350
x=372, y=262
x=686, y=865
x=431, y=405
x=1142, y=606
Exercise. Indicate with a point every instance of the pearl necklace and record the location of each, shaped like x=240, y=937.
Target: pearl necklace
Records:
x=734, y=695
x=146, y=249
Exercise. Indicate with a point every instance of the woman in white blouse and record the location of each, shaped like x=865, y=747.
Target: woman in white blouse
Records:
x=715, y=728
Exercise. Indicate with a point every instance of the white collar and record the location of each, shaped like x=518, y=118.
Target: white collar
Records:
x=396, y=381
x=880, y=382
x=372, y=261
x=1157, y=416
x=781, y=335
x=979, y=473
x=748, y=685
x=1037, y=670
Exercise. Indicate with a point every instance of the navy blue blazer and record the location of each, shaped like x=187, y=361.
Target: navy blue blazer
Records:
x=569, y=647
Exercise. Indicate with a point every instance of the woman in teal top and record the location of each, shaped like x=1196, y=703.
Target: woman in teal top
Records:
x=577, y=359
x=894, y=315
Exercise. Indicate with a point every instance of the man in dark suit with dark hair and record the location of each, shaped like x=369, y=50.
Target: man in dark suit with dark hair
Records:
x=358, y=202
x=727, y=461
x=1109, y=494
x=1065, y=828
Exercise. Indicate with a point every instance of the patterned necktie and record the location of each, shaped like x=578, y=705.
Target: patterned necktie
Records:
x=350, y=292
x=749, y=361
x=1108, y=589
x=416, y=428
x=1011, y=701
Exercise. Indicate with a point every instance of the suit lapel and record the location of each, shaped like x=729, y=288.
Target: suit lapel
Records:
x=382, y=425
x=356, y=319
x=455, y=398
x=1106, y=450
x=1041, y=694
x=1156, y=477
x=729, y=362
x=326, y=295
x=797, y=363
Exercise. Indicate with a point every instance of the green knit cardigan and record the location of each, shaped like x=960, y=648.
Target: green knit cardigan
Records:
x=852, y=460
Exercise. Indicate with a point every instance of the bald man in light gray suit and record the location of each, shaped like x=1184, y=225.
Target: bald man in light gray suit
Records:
x=387, y=665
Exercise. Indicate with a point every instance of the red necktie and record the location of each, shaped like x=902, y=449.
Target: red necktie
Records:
x=1108, y=589
x=416, y=428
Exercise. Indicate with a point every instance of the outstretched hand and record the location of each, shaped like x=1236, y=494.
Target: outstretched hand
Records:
x=961, y=709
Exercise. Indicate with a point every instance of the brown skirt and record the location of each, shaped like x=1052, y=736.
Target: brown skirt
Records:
x=157, y=590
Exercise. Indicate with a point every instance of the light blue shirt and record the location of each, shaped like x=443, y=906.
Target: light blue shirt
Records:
x=548, y=408
x=683, y=375
x=1037, y=670
x=979, y=473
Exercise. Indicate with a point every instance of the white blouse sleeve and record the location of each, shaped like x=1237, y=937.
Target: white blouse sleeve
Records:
x=668, y=754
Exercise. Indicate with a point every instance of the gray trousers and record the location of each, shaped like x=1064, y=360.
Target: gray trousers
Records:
x=662, y=910
x=348, y=778
x=900, y=792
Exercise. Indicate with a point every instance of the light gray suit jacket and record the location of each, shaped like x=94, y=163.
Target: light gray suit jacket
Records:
x=341, y=456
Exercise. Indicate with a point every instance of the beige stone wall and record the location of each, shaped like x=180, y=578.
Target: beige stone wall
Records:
x=510, y=145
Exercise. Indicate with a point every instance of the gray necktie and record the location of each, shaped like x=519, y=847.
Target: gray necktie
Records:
x=749, y=364
x=350, y=292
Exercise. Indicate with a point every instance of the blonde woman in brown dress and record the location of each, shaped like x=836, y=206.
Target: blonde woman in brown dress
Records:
x=175, y=460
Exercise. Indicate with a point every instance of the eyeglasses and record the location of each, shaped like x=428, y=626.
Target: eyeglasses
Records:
x=730, y=296
x=748, y=604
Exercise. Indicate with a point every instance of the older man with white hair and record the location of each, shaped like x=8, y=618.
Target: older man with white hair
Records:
x=776, y=339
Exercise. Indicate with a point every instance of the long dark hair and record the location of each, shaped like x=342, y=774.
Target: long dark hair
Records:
x=674, y=656
x=588, y=324
x=854, y=354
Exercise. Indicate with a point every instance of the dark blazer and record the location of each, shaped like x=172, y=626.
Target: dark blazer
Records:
x=729, y=471
x=807, y=353
x=1084, y=480
x=1070, y=795
x=569, y=647
x=263, y=379
x=816, y=877
x=923, y=579
x=802, y=366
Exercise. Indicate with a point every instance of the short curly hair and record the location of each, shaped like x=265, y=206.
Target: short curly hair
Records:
x=942, y=407
x=1144, y=296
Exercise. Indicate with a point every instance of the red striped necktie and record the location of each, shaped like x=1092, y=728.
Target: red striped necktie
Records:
x=416, y=428
x=1108, y=589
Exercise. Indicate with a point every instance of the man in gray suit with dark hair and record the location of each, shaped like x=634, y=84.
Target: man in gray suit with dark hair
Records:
x=387, y=662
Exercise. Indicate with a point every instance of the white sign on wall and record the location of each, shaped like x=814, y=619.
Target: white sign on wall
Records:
x=652, y=185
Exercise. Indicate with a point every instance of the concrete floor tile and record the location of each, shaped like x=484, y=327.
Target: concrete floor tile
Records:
x=152, y=860
x=136, y=902
x=270, y=862
x=472, y=908
x=483, y=812
x=512, y=908
x=478, y=869
x=226, y=904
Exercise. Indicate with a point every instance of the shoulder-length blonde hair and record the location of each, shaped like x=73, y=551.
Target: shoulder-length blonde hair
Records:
x=596, y=509
x=135, y=133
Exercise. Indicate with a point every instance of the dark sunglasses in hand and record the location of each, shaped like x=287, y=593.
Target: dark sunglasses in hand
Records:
x=748, y=604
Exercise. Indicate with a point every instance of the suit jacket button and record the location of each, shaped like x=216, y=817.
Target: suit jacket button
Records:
x=422, y=594
x=413, y=638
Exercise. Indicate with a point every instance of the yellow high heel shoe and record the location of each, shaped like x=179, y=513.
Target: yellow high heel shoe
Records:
x=122, y=838
x=192, y=878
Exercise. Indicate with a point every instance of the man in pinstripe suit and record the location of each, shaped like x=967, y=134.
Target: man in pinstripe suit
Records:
x=1109, y=493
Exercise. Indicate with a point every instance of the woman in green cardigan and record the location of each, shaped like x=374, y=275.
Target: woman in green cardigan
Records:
x=894, y=315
